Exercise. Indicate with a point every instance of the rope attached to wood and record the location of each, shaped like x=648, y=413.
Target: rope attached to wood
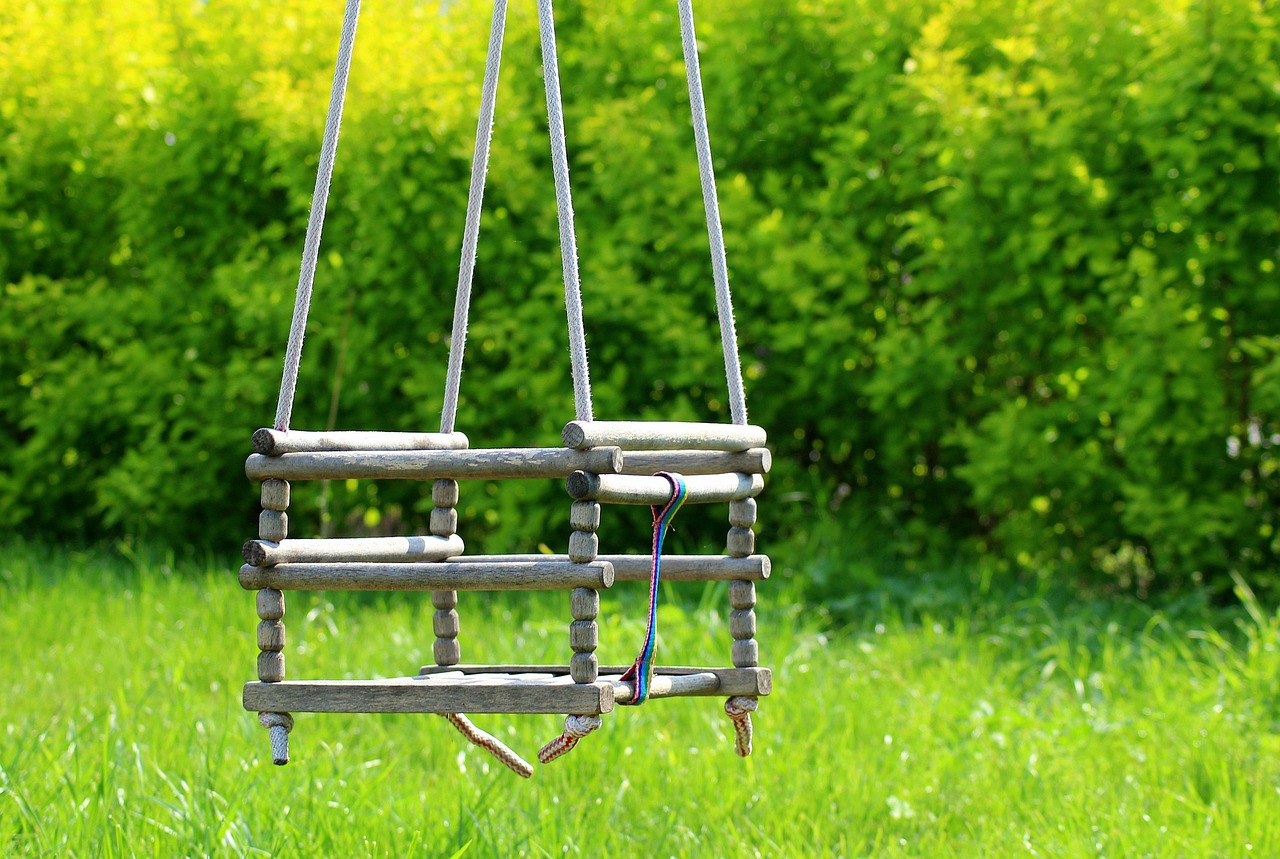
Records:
x=715, y=232
x=315, y=223
x=564, y=211
x=575, y=728
x=739, y=708
x=641, y=671
x=491, y=744
x=475, y=200
x=278, y=726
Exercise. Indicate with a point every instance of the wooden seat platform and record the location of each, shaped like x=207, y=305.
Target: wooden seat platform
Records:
x=498, y=689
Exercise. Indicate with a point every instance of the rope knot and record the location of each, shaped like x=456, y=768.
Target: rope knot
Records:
x=490, y=744
x=739, y=708
x=575, y=728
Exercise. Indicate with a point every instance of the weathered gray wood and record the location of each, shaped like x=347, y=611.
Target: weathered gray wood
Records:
x=271, y=635
x=584, y=604
x=261, y=553
x=637, y=489
x=270, y=604
x=273, y=525
x=444, y=600
x=740, y=542
x=733, y=681
x=584, y=636
x=585, y=516
x=444, y=521
x=584, y=667
x=758, y=460
x=445, y=624
x=275, y=494
x=675, y=568
x=742, y=514
x=667, y=686
x=500, y=576
x=271, y=442
x=428, y=694
x=485, y=464
x=662, y=435
x=447, y=651
x=444, y=492
x=742, y=623
x=742, y=594
x=583, y=546
x=270, y=666
x=746, y=653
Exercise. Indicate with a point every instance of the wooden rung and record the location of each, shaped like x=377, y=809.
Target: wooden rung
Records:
x=662, y=435
x=263, y=553
x=497, y=576
x=637, y=489
x=271, y=442
x=480, y=464
x=665, y=686
x=729, y=681
x=675, y=568
x=432, y=694
x=758, y=460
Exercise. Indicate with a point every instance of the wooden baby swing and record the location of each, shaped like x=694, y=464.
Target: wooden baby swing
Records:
x=660, y=464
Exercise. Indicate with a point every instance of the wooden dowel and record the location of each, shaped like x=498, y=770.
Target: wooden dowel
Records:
x=271, y=442
x=758, y=460
x=668, y=686
x=500, y=576
x=481, y=464
x=733, y=681
x=675, y=568
x=636, y=489
x=431, y=694
x=263, y=553
x=662, y=435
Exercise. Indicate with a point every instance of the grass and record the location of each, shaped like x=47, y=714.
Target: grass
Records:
x=1005, y=729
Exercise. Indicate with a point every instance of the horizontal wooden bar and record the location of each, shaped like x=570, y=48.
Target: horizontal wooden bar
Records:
x=432, y=694
x=675, y=568
x=730, y=681
x=479, y=464
x=666, y=686
x=637, y=489
x=758, y=460
x=662, y=435
x=264, y=553
x=272, y=442
x=448, y=576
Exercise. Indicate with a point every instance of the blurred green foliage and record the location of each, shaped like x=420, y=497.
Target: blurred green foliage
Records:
x=1005, y=272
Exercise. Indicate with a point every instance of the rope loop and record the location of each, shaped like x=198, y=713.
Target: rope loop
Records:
x=575, y=728
x=739, y=708
x=490, y=744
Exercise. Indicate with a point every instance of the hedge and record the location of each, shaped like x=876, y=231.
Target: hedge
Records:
x=1005, y=273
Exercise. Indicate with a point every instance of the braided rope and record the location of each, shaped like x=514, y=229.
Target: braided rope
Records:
x=739, y=708
x=490, y=743
x=278, y=726
x=641, y=671
x=575, y=728
x=315, y=223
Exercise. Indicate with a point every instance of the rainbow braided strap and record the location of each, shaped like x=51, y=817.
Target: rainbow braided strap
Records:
x=641, y=671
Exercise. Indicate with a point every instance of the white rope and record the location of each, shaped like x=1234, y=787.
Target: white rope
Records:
x=471, y=233
x=319, y=200
x=564, y=209
x=715, y=233
x=278, y=726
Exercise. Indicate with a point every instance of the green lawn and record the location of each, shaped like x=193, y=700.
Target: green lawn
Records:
x=1006, y=730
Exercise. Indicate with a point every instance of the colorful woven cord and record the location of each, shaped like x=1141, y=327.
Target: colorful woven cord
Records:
x=641, y=671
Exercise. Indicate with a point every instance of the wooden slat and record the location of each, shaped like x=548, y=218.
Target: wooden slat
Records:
x=483, y=464
x=666, y=686
x=264, y=553
x=447, y=576
x=730, y=681
x=272, y=442
x=675, y=568
x=758, y=460
x=637, y=489
x=662, y=435
x=429, y=694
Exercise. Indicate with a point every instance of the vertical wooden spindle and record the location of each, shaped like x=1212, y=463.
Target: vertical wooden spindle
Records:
x=584, y=634
x=273, y=525
x=742, y=595
x=445, y=623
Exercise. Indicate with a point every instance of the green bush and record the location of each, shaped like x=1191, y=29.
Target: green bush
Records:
x=1004, y=273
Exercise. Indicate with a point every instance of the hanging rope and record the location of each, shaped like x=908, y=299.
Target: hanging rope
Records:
x=641, y=671
x=471, y=232
x=739, y=708
x=564, y=210
x=715, y=233
x=575, y=728
x=491, y=744
x=315, y=223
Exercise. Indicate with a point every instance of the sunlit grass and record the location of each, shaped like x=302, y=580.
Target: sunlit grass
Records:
x=1019, y=729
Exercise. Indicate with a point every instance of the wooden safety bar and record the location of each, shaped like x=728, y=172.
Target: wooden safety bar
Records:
x=448, y=576
x=272, y=442
x=480, y=464
x=635, y=489
x=662, y=435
